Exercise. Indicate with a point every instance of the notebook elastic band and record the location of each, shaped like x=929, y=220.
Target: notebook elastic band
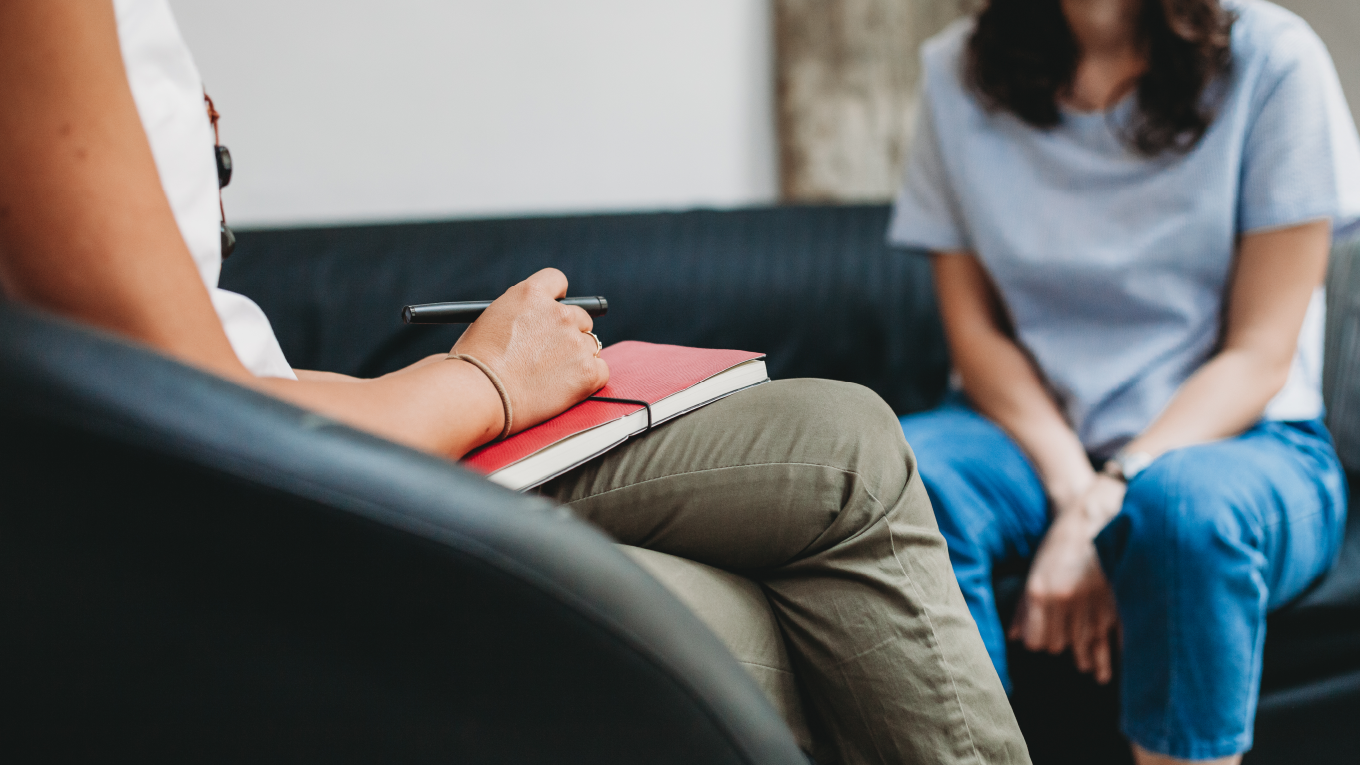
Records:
x=626, y=401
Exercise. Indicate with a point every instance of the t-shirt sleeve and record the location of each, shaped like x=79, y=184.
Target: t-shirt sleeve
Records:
x=926, y=212
x=1301, y=159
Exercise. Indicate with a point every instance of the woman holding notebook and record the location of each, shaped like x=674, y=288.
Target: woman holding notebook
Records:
x=1129, y=205
x=109, y=215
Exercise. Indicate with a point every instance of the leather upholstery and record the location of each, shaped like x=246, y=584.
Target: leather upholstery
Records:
x=190, y=571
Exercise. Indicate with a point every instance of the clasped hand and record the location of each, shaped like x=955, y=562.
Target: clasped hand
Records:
x=1068, y=602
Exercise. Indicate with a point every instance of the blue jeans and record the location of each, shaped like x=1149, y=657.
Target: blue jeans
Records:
x=1210, y=539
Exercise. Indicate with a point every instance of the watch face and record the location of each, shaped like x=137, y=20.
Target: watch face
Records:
x=1132, y=464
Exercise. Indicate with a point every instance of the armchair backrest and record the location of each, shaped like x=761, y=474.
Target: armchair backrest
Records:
x=190, y=570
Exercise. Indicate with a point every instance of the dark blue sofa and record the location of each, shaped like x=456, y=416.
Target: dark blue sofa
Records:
x=817, y=289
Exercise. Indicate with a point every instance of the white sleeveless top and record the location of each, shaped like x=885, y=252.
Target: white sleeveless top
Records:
x=169, y=95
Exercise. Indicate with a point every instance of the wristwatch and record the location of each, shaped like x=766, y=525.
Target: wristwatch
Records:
x=1124, y=465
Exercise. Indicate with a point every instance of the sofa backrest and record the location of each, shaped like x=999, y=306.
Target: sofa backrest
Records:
x=1341, y=367
x=815, y=287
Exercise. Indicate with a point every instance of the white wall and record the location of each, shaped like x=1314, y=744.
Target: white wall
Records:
x=354, y=110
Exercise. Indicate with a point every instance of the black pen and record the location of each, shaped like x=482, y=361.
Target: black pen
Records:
x=467, y=312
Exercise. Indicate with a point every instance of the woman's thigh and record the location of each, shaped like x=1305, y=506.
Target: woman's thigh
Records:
x=1269, y=505
x=1209, y=540
x=750, y=482
x=809, y=488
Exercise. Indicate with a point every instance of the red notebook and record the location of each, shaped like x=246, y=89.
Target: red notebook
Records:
x=671, y=378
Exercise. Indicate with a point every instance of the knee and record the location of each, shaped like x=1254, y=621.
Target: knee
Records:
x=845, y=423
x=845, y=436
x=1183, y=509
x=832, y=404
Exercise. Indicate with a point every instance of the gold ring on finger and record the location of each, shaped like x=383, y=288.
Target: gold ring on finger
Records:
x=599, y=346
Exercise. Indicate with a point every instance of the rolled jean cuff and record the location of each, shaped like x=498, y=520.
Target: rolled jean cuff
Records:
x=1183, y=749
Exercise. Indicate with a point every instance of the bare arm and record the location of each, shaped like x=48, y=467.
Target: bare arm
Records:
x=1000, y=379
x=86, y=232
x=1067, y=601
x=1277, y=272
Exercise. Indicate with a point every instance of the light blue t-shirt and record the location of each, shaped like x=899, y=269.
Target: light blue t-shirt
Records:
x=1114, y=267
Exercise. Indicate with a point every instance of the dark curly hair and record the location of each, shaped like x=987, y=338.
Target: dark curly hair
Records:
x=1023, y=54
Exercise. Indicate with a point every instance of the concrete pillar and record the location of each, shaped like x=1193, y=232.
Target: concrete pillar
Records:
x=847, y=74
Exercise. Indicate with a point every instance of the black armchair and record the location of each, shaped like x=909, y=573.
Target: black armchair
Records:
x=190, y=571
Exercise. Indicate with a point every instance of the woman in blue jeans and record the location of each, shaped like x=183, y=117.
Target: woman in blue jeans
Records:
x=1129, y=206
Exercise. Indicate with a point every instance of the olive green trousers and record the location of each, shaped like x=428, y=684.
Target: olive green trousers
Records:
x=808, y=488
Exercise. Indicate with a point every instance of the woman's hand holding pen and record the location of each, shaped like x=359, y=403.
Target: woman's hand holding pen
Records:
x=1068, y=603
x=538, y=347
